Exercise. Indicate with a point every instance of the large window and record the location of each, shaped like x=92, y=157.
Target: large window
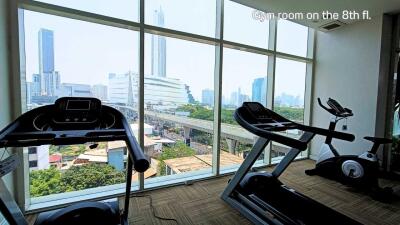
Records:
x=179, y=103
x=194, y=16
x=121, y=9
x=244, y=79
x=289, y=98
x=66, y=57
x=93, y=48
x=241, y=27
x=292, y=38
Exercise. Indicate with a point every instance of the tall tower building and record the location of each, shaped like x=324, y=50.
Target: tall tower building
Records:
x=49, y=78
x=46, y=51
x=158, y=48
x=207, y=97
x=259, y=90
x=36, y=85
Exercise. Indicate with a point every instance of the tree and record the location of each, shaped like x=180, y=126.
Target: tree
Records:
x=179, y=150
x=45, y=182
x=52, y=181
x=296, y=114
x=203, y=113
x=90, y=176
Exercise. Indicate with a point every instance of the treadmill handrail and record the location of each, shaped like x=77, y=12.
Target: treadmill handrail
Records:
x=8, y=136
x=288, y=125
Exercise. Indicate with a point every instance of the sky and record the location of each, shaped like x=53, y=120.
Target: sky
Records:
x=86, y=52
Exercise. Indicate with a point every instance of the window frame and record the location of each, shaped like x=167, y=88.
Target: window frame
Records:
x=19, y=76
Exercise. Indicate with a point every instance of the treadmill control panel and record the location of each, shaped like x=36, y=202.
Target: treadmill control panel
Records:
x=76, y=111
x=257, y=110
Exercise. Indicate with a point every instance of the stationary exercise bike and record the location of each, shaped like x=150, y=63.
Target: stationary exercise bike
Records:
x=360, y=171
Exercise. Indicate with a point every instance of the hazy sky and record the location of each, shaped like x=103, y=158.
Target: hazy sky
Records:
x=87, y=53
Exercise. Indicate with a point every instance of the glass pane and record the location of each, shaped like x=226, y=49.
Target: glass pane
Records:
x=292, y=38
x=121, y=9
x=60, y=169
x=289, y=97
x=241, y=27
x=244, y=79
x=179, y=101
x=66, y=57
x=195, y=16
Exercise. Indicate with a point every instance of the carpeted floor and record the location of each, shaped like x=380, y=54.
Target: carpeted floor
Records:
x=200, y=203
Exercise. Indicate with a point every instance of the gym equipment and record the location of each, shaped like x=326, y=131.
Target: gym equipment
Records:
x=361, y=171
x=71, y=120
x=260, y=196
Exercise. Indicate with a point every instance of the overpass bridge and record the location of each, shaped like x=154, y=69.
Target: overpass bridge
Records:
x=232, y=133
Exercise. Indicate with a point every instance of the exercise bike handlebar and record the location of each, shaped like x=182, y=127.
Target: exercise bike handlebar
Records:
x=335, y=108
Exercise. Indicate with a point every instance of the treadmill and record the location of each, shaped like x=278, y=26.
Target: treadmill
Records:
x=71, y=120
x=260, y=196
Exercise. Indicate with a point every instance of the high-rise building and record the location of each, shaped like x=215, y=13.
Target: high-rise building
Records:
x=158, y=48
x=49, y=78
x=29, y=86
x=207, y=97
x=234, y=98
x=46, y=60
x=259, y=90
x=51, y=83
x=100, y=91
x=36, y=83
x=46, y=51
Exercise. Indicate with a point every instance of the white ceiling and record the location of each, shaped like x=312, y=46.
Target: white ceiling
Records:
x=375, y=7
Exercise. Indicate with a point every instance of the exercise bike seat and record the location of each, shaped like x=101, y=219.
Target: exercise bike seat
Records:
x=378, y=140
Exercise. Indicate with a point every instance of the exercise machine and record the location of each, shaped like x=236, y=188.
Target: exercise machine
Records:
x=361, y=171
x=71, y=120
x=260, y=196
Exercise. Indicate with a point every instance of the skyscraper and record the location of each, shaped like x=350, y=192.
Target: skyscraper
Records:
x=36, y=85
x=207, y=97
x=49, y=78
x=46, y=51
x=259, y=90
x=158, y=48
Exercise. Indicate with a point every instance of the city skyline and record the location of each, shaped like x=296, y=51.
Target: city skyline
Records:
x=95, y=50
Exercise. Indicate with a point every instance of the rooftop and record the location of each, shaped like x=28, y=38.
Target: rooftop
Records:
x=198, y=162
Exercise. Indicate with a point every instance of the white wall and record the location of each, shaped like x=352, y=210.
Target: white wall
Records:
x=347, y=69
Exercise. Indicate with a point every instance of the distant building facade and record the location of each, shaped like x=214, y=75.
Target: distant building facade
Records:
x=100, y=91
x=38, y=157
x=161, y=93
x=259, y=90
x=207, y=97
x=158, y=48
x=76, y=90
x=49, y=78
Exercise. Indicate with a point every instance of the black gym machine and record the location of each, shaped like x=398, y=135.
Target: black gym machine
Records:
x=71, y=120
x=260, y=196
x=359, y=171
